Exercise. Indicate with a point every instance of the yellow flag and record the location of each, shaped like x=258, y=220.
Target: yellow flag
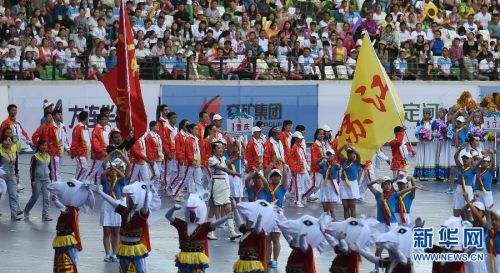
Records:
x=374, y=107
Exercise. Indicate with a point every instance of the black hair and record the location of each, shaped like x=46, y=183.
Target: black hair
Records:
x=160, y=108
x=182, y=124
x=190, y=127
x=270, y=134
x=114, y=132
x=152, y=123
x=200, y=115
x=259, y=123
x=171, y=114
x=316, y=133
x=11, y=106
x=207, y=130
x=5, y=137
x=82, y=116
x=46, y=114
x=300, y=128
x=101, y=116
x=398, y=129
x=104, y=109
x=285, y=123
x=57, y=111
x=294, y=139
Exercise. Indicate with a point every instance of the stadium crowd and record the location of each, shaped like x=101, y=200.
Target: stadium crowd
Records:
x=251, y=39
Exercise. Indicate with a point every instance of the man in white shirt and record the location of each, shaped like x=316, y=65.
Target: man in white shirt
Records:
x=470, y=26
x=486, y=68
x=160, y=27
x=306, y=62
x=11, y=64
x=97, y=61
x=100, y=30
x=403, y=34
x=59, y=54
x=142, y=51
x=483, y=17
x=263, y=41
x=444, y=64
x=418, y=31
x=81, y=41
x=351, y=62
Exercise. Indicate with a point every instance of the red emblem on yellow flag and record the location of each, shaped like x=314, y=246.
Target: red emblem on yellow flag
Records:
x=374, y=107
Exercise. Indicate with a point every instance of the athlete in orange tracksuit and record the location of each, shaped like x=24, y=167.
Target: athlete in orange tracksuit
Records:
x=140, y=169
x=254, y=152
x=80, y=145
x=180, y=154
x=168, y=133
x=154, y=150
x=99, y=143
x=48, y=132
x=298, y=168
x=286, y=138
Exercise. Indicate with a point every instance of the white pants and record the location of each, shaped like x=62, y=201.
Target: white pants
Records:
x=179, y=183
x=178, y=178
x=458, y=197
x=140, y=172
x=299, y=185
x=157, y=171
x=170, y=170
x=55, y=168
x=95, y=172
x=487, y=198
x=82, y=167
x=194, y=181
x=313, y=184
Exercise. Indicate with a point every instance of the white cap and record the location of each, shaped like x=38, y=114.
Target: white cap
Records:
x=461, y=119
x=386, y=178
x=297, y=134
x=323, y=24
x=402, y=180
x=326, y=128
x=273, y=171
x=217, y=117
x=256, y=129
x=487, y=158
x=479, y=205
x=474, y=153
x=331, y=151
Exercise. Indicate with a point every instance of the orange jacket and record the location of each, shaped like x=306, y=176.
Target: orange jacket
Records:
x=154, y=149
x=206, y=151
x=285, y=138
x=79, y=144
x=316, y=156
x=193, y=154
x=201, y=130
x=296, y=162
x=137, y=153
x=98, y=143
x=180, y=148
x=16, y=127
x=270, y=159
x=253, y=162
x=165, y=133
x=48, y=132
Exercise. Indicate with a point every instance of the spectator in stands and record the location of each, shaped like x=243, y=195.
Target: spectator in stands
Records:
x=437, y=44
x=470, y=64
x=29, y=71
x=351, y=62
x=444, y=65
x=486, y=68
x=168, y=62
x=11, y=65
x=97, y=64
x=401, y=67
x=142, y=51
x=45, y=52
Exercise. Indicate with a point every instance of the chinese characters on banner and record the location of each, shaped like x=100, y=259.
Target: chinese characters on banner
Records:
x=93, y=113
x=239, y=124
x=269, y=113
x=449, y=238
x=374, y=107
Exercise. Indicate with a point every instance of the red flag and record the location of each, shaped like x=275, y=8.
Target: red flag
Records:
x=211, y=106
x=122, y=82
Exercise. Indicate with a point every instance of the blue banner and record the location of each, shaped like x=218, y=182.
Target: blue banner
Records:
x=271, y=104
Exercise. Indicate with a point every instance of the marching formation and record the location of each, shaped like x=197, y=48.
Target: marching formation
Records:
x=218, y=179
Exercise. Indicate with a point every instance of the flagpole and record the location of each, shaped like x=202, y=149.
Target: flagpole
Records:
x=122, y=7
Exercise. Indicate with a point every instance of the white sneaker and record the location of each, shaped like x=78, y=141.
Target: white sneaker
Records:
x=107, y=259
x=113, y=258
x=211, y=236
